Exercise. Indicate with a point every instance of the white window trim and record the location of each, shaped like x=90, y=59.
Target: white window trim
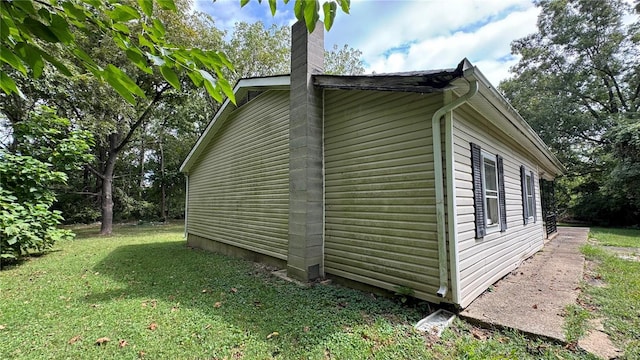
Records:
x=495, y=227
x=529, y=193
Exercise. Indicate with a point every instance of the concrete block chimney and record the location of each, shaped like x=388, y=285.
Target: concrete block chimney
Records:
x=305, y=258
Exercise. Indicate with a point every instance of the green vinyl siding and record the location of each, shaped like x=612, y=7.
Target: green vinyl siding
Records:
x=379, y=189
x=239, y=187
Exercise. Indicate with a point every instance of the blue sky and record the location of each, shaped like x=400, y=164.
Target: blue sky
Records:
x=405, y=35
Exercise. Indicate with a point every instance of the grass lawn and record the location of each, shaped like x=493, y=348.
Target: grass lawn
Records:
x=618, y=300
x=154, y=298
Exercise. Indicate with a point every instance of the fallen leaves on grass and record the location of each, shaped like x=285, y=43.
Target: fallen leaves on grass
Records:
x=273, y=334
x=152, y=326
x=102, y=340
x=217, y=304
x=141, y=354
x=234, y=290
x=122, y=343
x=74, y=339
x=2, y=327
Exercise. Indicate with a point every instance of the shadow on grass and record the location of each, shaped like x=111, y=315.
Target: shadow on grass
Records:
x=243, y=294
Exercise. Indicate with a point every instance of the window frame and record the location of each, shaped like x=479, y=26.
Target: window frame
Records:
x=529, y=213
x=495, y=225
x=479, y=194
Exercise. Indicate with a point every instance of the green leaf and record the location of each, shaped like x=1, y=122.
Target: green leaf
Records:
x=145, y=42
x=26, y=6
x=31, y=56
x=167, y=5
x=60, y=28
x=159, y=27
x=156, y=60
x=196, y=78
x=7, y=56
x=73, y=11
x=40, y=30
x=122, y=28
x=345, y=5
x=138, y=60
x=122, y=83
x=170, y=76
x=53, y=61
x=243, y=3
x=123, y=13
x=272, y=5
x=329, y=9
x=227, y=89
x=7, y=84
x=212, y=91
x=146, y=6
x=311, y=14
x=298, y=9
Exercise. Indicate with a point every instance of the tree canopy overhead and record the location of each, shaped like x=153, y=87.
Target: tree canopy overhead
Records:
x=578, y=85
x=136, y=29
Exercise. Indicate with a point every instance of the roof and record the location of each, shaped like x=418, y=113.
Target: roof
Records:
x=488, y=102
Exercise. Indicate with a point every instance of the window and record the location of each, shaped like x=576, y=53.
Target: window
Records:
x=488, y=192
x=528, y=195
x=490, y=178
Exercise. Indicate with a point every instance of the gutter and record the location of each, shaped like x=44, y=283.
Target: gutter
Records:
x=439, y=180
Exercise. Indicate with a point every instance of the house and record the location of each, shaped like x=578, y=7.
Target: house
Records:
x=427, y=180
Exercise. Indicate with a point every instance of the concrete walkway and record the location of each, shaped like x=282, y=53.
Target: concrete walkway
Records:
x=533, y=297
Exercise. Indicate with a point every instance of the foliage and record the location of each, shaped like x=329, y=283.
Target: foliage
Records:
x=27, y=25
x=167, y=301
x=343, y=61
x=43, y=149
x=26, y=221
x=619, y=301
x=308, y=10
x=578, y=85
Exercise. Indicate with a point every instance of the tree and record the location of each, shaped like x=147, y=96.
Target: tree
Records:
x=25, y=25
x=141, y=57
x=343, y=61
x=578, y=85
x=43, y=147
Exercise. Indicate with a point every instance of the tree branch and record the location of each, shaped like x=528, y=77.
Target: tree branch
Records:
x=141, y=119
x=96, y=172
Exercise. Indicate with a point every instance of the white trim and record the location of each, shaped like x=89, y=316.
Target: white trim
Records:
x=452, y=209
x=494, y=227
x=497, y=110
x=241, y=88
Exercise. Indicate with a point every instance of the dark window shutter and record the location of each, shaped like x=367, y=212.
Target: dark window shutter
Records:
x=533, y=194
x=502, y=200
x=478, y=203
x=523, y=183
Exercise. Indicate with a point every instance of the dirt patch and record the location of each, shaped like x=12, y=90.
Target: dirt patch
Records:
x=625, y=253
x=598, y=343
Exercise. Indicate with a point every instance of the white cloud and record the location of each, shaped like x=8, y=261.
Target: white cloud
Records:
x=487, y=46
x=403, y=35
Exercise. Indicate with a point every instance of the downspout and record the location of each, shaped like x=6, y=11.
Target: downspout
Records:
x=186, y=206
x=439, y=179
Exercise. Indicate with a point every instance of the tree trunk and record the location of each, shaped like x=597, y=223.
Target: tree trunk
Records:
x=107, y=184
x=163, y=200
x=107, y=196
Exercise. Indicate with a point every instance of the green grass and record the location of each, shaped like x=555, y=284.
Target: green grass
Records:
x=616, y=237
x=618, y=302
x=575, y=322
x=167, y=301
